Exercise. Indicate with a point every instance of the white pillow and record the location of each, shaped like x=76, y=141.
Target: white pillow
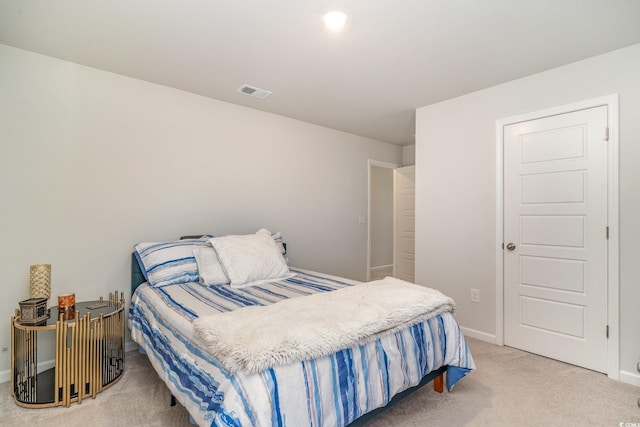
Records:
x=209, y=268
x=251, y=259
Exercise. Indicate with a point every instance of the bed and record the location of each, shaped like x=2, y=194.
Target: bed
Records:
x=330, y=390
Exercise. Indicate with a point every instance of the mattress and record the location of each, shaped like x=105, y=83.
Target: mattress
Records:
x=333, y=390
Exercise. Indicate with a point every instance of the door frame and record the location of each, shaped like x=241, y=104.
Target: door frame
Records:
x=371, y=163
x=396, y=215
x=613, y=262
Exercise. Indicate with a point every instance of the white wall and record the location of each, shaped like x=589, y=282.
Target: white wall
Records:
x=381, y=216
x=92, y=162
x=409, y=155
x=456, y=185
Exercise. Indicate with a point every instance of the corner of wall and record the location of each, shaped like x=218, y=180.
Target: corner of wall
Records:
x=409, y=155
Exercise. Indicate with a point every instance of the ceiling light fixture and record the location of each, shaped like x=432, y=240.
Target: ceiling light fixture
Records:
x=256, y=92
x=335, y=20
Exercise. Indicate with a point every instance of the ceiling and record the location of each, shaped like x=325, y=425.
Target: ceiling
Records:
x=392, y=56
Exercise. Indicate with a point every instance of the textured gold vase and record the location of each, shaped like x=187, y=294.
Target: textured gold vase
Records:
x=40, y=281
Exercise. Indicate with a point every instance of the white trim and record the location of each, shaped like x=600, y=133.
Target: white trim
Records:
x=370, y=164
x=479, y=335
x=5, y=376
x=613, y=293
x=630, y=378
x=613, y=268
x=624, y=376
x=130, y=346
x=499, y=233
x=381, y=267
x=387, y=270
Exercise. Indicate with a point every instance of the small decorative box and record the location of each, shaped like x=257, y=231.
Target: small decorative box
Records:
x=33, y=311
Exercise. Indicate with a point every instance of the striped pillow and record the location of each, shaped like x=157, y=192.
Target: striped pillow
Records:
x=168, y=263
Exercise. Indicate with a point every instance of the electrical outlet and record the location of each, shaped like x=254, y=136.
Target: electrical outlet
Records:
x=475, y=295
x=5, y=349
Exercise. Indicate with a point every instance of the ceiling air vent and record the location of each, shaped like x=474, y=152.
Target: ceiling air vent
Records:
x=253, y=91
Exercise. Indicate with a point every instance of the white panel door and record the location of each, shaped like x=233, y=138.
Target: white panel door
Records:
x=555, y=219
x=404, y=212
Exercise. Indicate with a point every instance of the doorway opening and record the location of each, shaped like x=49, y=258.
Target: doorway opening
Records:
x=380, y=220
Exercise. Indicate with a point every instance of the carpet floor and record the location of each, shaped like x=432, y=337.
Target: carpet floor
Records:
x=509, y=388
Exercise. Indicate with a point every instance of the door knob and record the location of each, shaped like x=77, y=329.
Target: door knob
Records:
x=511, y=246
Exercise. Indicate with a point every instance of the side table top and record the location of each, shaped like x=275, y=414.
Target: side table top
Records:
x=94, y=308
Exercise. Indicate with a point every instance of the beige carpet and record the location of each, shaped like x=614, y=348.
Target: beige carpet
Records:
x=509, y=388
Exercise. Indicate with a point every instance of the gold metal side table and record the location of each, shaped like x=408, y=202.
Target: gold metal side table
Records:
x=89, y=356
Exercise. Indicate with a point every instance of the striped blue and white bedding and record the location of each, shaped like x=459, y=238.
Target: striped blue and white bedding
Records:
x=330, y=391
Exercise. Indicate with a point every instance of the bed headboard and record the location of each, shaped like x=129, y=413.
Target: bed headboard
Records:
x=137, y=278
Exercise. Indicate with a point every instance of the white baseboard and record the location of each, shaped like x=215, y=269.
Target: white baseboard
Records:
x=479, y=335
x=376, y=273
x=625, y=377
x=130, y=346
x=382, y=267
x=5, y=376
x=632, y=378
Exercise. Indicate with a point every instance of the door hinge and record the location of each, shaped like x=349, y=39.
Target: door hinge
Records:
x=607, y=331
x=607, y=232
x=606, y=134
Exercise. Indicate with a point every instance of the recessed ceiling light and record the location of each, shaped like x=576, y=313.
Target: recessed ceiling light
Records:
x=335, y=20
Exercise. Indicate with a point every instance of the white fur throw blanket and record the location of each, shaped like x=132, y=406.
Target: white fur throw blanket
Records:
x=260, y=337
